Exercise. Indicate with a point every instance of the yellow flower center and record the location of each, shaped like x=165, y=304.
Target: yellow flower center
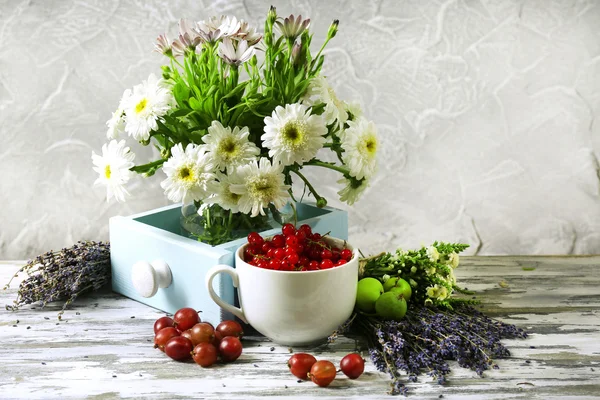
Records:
x=369, y=146
x=185, y=174
x=228, y=148
x=293, y=134
x=262, y=187
x=141, y=105
x=232, y=197
x=107, y=172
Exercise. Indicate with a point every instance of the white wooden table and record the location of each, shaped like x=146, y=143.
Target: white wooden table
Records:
x=103, y=347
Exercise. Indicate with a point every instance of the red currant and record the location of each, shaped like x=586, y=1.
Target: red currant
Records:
x=306, y=229
x=278, y=241
x=279, y=253
x=266, y=247
x=262, y=263
x=326, y=254
x=316, y=237
x=340, y=262
x=313, y=265
x=291, y=241
x=303, y=261
x=285, y=265
x=346, y=254
x=274, y=264
x=255, y=238
x=293, y=258
x=300, y=248
x=335, y=255
x=326, y=264
x=301, y=236
x=288, y=230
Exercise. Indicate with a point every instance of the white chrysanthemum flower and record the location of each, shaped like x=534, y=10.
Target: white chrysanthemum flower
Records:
x=227, y=148
x=235, y=55
x=353, y=190
x=263, y=183
x=114, y=168
x=292, y=134
x=360, y=144
x=454, y=259
x=146, y=104
x=116, y=124
x=354, y=110
x=433, y=253
x=188, y=173
x=319, y=91
x=221, y=193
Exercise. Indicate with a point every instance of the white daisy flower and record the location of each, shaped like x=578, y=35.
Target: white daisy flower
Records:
x=222, y=194
x=114, y=168
x=235, y=55
x=454, y=259
x=292, y=134
x=188, y=173
x=227, y=148
x=353, y=190
x=146, y=104
x=433, y=253
x=263, y=183
x=360, y=144
x=319, y=91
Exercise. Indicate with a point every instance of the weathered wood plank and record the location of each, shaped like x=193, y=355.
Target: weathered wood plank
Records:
x=100, y=351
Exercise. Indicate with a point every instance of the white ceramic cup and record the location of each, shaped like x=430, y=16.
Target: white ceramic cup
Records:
x=291, y=307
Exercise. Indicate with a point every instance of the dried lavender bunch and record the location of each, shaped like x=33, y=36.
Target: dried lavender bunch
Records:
x=64, y=274
x=427, y=337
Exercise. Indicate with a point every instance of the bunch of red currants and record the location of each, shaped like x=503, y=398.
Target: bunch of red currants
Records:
x=305, y=366
x=185, y=336
x=294, y=250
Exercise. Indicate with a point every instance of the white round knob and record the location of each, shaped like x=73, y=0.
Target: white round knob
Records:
x=148, y=277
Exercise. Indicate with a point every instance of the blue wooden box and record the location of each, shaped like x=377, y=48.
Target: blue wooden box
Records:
x=157, y=234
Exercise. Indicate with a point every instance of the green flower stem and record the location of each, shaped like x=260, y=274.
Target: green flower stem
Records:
x=337, y=168
x=146, y=167
x=308, y=184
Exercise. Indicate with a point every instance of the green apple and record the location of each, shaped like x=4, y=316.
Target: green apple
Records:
x=400, y=286
x=391, y=305
x=367, y=292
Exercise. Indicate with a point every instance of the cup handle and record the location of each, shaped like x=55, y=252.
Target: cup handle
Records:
x=210, y=275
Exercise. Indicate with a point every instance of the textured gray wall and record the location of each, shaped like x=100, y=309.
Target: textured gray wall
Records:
x=486, y=111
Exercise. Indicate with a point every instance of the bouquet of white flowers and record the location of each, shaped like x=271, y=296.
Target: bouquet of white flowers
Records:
x=235, y=116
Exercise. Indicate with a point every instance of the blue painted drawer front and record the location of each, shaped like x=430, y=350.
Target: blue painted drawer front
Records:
x=156, y=235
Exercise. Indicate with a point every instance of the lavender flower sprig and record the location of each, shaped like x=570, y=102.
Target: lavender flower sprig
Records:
x=427, y=338
x=64, y=274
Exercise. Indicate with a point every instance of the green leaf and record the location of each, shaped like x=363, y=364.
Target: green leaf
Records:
x=195, y=104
